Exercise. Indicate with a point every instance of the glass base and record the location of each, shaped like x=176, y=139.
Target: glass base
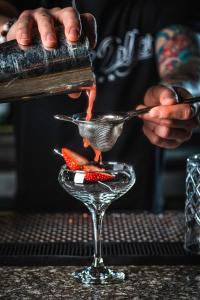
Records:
x=98, y=275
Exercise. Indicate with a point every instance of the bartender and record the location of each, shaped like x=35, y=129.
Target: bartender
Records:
x=147, y=54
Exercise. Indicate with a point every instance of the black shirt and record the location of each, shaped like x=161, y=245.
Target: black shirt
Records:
x=125, y=68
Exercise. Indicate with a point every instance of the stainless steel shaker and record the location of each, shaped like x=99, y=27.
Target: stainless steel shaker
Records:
x=35, y=71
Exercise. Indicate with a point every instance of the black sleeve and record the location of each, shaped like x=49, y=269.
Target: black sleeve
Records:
x=32, y=4
x=178, y=12
x=23, y=5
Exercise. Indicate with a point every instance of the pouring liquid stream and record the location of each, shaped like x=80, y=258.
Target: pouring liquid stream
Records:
x=91, y=94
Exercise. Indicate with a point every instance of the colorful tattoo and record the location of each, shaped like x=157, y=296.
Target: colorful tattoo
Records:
x=175, y=47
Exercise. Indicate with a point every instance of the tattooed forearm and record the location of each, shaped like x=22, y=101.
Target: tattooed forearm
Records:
x=178, y=57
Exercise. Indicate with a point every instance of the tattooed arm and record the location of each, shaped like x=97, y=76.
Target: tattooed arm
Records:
x=178, y=59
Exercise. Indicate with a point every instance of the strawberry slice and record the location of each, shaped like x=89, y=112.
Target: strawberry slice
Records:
x=97, y=174
x=73, y=160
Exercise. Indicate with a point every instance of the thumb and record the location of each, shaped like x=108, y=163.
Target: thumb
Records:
x=172, y=95
x=159, y=95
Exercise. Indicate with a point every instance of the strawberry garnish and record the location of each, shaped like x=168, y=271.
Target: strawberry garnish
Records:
x=96, y=174
x=73, y=160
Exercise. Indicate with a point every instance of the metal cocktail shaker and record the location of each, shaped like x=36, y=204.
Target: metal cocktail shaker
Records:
x=35, y=71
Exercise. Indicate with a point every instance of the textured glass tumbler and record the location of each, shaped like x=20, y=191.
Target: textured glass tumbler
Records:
x=192, y=206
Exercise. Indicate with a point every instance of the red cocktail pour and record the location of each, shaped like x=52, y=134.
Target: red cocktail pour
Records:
x=91, y=93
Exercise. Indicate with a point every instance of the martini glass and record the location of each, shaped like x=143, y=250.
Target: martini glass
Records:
x=97, y=196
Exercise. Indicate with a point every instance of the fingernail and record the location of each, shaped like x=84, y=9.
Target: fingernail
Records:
x=51, y=38
x=74, y=33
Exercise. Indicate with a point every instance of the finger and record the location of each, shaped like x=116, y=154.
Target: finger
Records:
x=24, y=27
x=158, y=141
x=142, y=115
x=54, y=13
x=179, y=112
x=46, y=28
x=159, y=94
x=70, y=19
x=167, y=133
x=74, y=95
x=89, y=27
x=167, y=96
x=185, y=124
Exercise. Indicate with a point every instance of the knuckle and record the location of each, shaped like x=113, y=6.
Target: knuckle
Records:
x=25, y=13
x=69, y=10
x=40, y=10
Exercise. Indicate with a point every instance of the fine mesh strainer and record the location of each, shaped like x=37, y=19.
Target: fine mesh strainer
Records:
x=103, y=130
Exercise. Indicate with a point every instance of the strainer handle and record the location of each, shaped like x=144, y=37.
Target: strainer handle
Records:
x=136, y=112
x=64, y=118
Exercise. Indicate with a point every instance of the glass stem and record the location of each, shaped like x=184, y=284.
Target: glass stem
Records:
x=97, y=218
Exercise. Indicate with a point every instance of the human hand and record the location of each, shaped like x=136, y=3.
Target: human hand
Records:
x=168, y=125
x=44, y=21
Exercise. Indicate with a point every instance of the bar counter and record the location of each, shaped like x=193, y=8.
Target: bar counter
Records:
x=38, y=253
x=144, y=282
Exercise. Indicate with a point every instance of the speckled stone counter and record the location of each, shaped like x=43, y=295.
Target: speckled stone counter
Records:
x=144, y=282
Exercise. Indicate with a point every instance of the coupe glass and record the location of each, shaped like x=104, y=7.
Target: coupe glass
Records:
x=97, y=196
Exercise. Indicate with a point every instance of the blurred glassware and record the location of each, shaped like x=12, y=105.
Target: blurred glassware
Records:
x=4, y=111
x=192, y=206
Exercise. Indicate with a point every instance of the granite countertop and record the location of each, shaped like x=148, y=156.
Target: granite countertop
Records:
x=55, y=282
x=144, y=282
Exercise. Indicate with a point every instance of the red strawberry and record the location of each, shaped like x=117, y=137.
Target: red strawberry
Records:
x=73, y=160
x=97, y=174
